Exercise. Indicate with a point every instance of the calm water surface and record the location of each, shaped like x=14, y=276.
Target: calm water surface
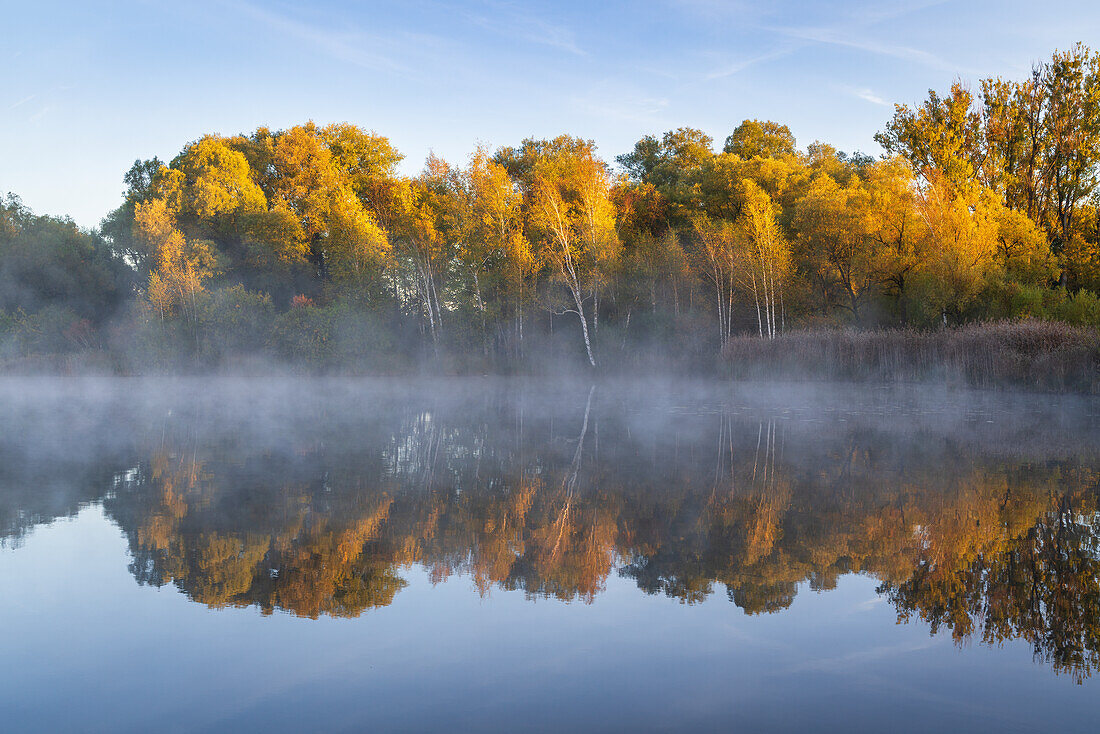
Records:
x=486, y=555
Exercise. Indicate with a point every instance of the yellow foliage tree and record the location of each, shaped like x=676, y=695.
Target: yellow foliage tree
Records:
x=218, y=181
x=768, y=260
x=496, y=236
x=832, y=223
x=961, y=253
x=338, y=233
x=180, y=267
x=573, y=219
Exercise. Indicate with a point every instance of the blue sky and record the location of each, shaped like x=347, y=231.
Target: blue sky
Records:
x=89, y=86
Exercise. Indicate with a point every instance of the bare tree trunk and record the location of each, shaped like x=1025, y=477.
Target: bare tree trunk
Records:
x=756, y=297
x=782, y=312
x=481, y=309
x=423, y=280
x=767, y=301
x=771, y=281
x=721, y=316
x=435, y=297
x=584, y=324
x=595, y=311
x=729, y=309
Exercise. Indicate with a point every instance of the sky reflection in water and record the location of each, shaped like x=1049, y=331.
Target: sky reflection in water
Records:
x=495, y=555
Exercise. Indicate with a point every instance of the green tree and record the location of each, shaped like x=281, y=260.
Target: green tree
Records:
x=764, y=139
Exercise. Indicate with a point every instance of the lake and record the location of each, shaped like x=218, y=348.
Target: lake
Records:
x=288, y=555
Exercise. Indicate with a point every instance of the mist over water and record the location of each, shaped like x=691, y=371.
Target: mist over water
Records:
x=547, y=535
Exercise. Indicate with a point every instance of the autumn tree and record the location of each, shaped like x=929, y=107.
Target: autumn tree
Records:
x=180, y=267
x=961, y=252
x=573, y=222
x=721, y=260
x=832, y=223
x=419, y=223
x=667, y=165
x=768, y=259
x=894, y=226
x=942, y=134
x=497, y=245
x=1072, y=85
x=1034, y=142
x=341, y=239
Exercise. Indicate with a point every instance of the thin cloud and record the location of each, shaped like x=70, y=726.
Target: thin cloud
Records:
x=834, y=37
x=739, y=66
x=604, y=102
x=717, y=9
x=847, y=660
x=351, y=46
x=869, y=604
x=848, y=15
x=867, y=96
x=839, y=34
x=23, y=101
x=878, y=13
x=511, y=22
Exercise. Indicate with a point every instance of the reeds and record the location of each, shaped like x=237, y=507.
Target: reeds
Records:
x=1042, y=355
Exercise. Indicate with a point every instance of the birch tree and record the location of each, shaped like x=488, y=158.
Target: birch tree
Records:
x=717, y=250
x=418, y=237
x=767, y=258
x=573, y=219
x=497, y=244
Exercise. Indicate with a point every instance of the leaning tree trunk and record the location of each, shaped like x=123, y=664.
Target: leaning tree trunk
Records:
x=584, y=323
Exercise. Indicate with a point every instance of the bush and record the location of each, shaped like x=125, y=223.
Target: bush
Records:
x=361, y=341
x=1082, y=309
x=340, y=337
x=233, y=323
x=303, y=334
x=1028, y=301
x=50, y=331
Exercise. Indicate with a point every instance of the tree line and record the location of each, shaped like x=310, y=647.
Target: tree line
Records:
x=307, y=244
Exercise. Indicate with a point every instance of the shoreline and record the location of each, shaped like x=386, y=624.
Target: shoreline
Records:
x=1028, y=355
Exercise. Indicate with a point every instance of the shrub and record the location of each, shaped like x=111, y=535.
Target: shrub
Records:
x=361, y=341
x=303, y=334
x=1082, y=309
x=233, y=322
x=51, y=330
x=341, y=337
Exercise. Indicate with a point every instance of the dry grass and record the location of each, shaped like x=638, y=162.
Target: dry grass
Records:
x=1042, y=355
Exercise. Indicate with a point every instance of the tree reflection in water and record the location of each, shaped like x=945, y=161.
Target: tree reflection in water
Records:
x=989, y=531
